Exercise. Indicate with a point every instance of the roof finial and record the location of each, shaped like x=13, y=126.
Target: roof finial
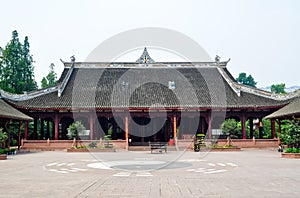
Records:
x=72, y=59
x=217, y=59
x=145, y=57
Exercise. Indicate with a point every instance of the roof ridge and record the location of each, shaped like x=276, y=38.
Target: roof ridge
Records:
x=274, y=96
x=229, y=81
x=25, y=95
x=65, y=81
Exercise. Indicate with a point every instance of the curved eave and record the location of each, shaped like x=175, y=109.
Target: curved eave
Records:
x=285, y=116
x=16, y=118
x=189, y=108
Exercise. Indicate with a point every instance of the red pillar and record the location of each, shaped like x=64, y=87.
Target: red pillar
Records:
x=56, y=126
x=126, y=130
x=92, y=119
x=273, y=128
x=174, y=127
x=243, y=119
x=26, y=131
x=19, y=135
x=209, y=129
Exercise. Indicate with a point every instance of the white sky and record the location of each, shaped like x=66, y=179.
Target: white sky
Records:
x=262, y=38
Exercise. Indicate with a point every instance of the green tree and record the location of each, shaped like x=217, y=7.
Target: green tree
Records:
x=267, y=130
x=278, y=88
x=3, y=138
x=17, y=73
x=231, y=127
x=44, y=82
x=27, y=61
x=51, y=78
x=290, y=133
x=75, y=130
x=246, y=80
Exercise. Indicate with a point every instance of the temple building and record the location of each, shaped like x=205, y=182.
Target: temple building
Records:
x=145, y=101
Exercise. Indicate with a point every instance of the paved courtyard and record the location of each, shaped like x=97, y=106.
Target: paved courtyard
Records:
x=249, y=173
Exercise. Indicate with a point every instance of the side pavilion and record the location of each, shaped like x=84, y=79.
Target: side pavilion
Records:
x=291, y=110
x=9, y=114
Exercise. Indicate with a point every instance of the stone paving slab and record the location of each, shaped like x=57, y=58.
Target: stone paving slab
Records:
x=249, y=173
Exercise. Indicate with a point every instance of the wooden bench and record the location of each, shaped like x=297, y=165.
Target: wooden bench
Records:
x=160, y=146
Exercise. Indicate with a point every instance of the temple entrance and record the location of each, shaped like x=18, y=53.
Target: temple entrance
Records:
x=191, y=126
x=148, y=131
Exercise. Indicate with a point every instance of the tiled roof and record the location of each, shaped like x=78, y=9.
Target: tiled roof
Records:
x=142, y=87
x=7, y=111
x=292, y=109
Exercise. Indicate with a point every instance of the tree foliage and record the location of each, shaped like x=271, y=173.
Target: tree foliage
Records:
x=246, y=80
x=231, y=127
x=267, y=129
x=278, y=88
x=75, y=130
x=3, y=137
x=44, y=82
x=51, y=77
x=16, y=70
x=290, y=133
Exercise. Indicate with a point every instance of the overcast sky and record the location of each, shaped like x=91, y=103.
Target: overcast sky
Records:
x=262, y=37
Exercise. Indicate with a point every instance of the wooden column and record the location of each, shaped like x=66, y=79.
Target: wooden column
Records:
x=209, y=129
x=126, y=131
x=19, y=135
x=174, y=127
x=56, y=126
x=26, y=131
x=243, y=120
x=273, y=128
x=92, y=120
